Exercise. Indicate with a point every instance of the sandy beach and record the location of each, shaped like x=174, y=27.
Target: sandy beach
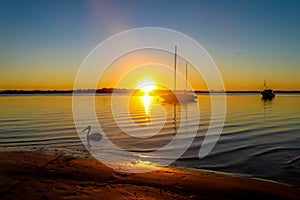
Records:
x=29, y=175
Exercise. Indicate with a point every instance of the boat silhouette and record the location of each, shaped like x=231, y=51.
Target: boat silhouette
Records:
x=178, y=96
x=267, y=94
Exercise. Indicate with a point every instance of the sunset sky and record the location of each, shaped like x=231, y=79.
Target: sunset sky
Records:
x=43, y=43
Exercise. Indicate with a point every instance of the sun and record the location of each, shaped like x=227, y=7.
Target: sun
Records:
x=147, y=86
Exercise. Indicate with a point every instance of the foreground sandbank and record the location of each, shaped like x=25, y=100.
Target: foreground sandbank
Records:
x=28, y=175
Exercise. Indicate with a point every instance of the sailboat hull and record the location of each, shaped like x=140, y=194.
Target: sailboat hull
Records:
x=178, y=98
x=268, y=94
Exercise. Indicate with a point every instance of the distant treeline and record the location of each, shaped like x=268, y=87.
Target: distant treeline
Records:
x=103, y=90
x=117, y=90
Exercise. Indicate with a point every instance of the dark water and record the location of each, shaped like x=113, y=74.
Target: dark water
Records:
x=260, y=138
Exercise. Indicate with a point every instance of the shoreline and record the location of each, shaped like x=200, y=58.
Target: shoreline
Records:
x=110, y=91
x=37, y=176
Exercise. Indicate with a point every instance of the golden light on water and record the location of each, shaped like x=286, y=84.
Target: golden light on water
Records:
x=146, y=99
x=146, y=87
x=144, y=164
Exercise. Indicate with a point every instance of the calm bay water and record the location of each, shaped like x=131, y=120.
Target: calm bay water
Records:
x=259, y=138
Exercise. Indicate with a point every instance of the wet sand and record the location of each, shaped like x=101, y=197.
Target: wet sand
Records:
x=29, y=175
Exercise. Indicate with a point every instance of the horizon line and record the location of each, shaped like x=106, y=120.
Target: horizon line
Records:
x=125, y=90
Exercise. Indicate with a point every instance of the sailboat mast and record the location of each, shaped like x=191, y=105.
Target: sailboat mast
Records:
x=175, y=68
x=186, y=72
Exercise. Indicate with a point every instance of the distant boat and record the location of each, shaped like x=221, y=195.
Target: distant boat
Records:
x=175, y=96
x=267, y=94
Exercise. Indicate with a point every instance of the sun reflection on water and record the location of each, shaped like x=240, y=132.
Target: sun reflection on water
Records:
x=146, y=99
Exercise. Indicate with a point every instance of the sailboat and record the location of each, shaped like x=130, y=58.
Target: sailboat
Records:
x=267, y=94
x=175, y=96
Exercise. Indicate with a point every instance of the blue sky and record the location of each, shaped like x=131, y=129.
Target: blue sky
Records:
x=44, y=42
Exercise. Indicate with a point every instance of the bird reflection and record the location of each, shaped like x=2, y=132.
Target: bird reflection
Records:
x=94, y=136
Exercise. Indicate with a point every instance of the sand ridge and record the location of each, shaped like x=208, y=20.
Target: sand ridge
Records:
x=31, y=175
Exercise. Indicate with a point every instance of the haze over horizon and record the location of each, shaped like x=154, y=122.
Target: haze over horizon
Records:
x=45, y=42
